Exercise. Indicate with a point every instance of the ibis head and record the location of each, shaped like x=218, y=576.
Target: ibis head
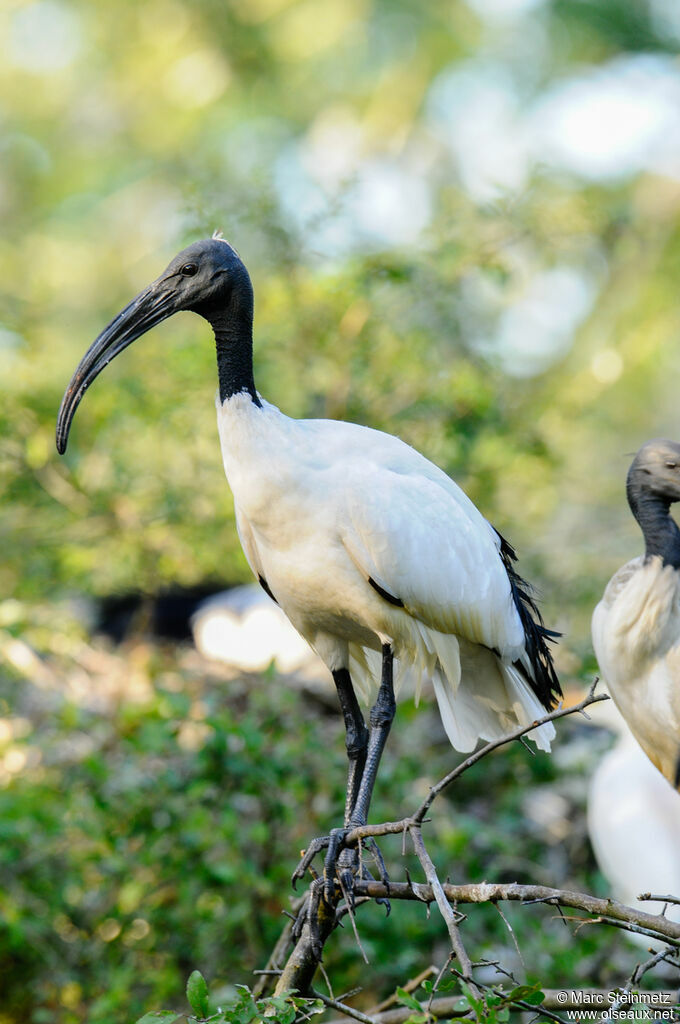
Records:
x=655, y=471
x=207, y=278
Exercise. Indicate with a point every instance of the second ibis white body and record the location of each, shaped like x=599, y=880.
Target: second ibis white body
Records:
x=636, y=636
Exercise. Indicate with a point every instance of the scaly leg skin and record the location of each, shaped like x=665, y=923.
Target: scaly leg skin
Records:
x=364, y=750
x=381, y=718
x=356, y=743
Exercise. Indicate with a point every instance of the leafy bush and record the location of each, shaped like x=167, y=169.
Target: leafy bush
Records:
x=152, y=809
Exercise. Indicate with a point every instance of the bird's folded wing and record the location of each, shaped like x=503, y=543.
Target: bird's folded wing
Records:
x=427, y=545
x=245, y=535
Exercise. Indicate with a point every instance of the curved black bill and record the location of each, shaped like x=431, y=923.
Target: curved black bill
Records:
x=139, y=316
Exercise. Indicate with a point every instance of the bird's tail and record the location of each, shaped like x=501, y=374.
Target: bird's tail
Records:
x=490, y=700
x=479, y=696
x=537, y=664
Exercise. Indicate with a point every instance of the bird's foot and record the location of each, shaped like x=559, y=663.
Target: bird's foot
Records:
x=309, y=915
x=342, y=865
x=308, y=855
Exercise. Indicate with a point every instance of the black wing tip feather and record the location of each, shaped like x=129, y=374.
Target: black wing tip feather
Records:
x=545, y=683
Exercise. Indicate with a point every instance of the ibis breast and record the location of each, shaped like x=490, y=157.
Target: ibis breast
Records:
x=636, y=636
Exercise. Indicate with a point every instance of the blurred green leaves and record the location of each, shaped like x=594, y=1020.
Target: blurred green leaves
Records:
x=145, y=126
x=148, y=823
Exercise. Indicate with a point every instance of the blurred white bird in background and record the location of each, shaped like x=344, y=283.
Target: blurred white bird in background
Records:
x=633, y=821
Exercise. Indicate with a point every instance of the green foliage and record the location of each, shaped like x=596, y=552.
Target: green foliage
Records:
x=197, y=994
x=490, y=1005
x=242, y=1009
x=151, y=810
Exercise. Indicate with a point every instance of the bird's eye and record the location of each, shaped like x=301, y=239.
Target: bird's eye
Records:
x=189, y=269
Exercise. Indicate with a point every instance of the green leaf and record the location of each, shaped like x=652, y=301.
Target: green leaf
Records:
x=535, y=998
x=406, y=999
x=156, y=1016
x=197, y=994
x=246, y=1008
x=476, y=1004
x=285, y=1009
x=528, y=993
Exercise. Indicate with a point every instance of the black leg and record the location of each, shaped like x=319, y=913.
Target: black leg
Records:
x=356, y=742
x=382, y=715
x=356, y=737
x=364, y=750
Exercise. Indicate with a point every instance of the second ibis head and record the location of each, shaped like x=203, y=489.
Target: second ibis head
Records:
x=655, y=472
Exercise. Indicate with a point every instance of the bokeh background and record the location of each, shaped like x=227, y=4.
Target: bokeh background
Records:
x=462, y=221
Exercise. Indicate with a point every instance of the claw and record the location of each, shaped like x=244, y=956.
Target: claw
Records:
x=382, y=901
x=308, y=856
x=346, y=869
x=342, y=865
x=309, y=915
x=379, y=862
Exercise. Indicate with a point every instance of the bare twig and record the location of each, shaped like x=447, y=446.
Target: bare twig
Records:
x=512, y=935
x=438, y=979
x=276, y=958
x=648, y=896
x=449, y=1006
x=443, y=784
x=443, y=903
x=641, y=969
x=610, y=911
x=446, y=1006
x=348, y=897
x=348, y=1011
x=410, y=986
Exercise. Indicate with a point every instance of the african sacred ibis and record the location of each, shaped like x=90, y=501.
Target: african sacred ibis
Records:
x=377, y=558
x=636, y=625
x=633, y=821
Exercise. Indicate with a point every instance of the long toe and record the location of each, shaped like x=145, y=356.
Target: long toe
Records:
x=347, y=868
x=366, y=876
x=335, y=850
x=315, y=846
x=378, y=859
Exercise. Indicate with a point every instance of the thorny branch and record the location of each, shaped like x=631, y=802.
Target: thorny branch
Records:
x=445, y=908
x=301, y=965
x=449, y=1006
x=395, y=827
x=609, y=911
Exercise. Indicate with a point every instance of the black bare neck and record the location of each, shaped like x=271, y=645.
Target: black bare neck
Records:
x=233, y=329
x=661, y=533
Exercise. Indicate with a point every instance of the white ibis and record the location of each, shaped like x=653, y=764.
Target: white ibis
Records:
x=377, y=558
x=633, y=821
x=636, y=625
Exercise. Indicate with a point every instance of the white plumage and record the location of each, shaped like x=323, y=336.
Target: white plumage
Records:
x=636, y=625
x=634, y=822
x=322, y=506
x=377, y=558
x=636, y=636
